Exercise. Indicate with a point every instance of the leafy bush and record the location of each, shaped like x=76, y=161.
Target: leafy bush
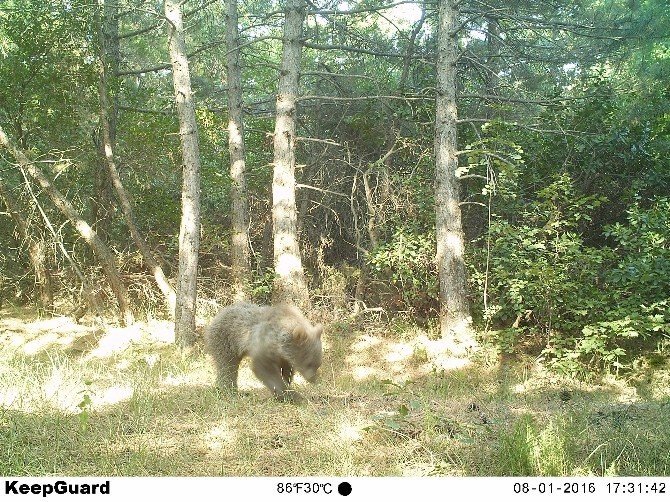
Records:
x=611, y=342
x=407, y=263
x=584, y=307
x=261, y=285
x=644, y=249
x=638, y=284
x=539, y=270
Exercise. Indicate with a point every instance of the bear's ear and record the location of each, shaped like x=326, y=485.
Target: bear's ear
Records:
x=318, y=329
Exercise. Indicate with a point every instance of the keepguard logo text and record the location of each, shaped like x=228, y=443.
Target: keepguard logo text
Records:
x=56, y=488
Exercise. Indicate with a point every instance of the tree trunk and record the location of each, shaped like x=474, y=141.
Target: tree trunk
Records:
x=107, y=122
x=102, y=200
x=36, y=251
x=411, y=47
x=100, y=249
x=189, y=233
x=290, y=284
x=241, y=270
x=492, y=64
x=103, y=203
x=454, y=313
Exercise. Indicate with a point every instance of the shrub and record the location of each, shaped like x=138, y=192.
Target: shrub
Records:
x=586, y=308
x=407, y=263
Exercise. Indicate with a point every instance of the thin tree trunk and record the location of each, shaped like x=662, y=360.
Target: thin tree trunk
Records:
x=100, y=249
x=454, y=313
x=492, y=64
x=411, y=47
x=290, y=284
x=372, y=210
x=107, y=122
x=103, y=203
x=189, y=233
x=36, y=251
x=241, y=269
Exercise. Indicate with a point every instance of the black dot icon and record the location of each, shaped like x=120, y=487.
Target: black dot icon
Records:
x=344, y=489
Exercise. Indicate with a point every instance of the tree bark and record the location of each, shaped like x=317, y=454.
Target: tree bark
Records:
x=492, y=64
x=454, y=312
x=108, y=124
x=189, y=233
x=241, y=270
x=290, y=284
x=36, y=251
x=102, y=204
x=100, y=249
x=411, y=47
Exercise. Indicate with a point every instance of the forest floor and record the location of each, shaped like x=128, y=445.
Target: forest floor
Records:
x=99, y=400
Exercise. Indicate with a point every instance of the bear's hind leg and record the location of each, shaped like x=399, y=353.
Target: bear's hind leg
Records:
x=226, y=374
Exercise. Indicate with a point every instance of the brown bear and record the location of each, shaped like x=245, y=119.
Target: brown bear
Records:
x=277, y=338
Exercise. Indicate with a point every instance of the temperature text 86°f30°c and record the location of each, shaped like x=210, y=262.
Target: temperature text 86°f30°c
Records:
x=306, y=487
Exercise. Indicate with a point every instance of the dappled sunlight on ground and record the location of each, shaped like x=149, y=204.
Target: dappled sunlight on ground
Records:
x=34, y=336
x=198, y=376
x=376, y=355
x=349, y=433
x=221, y=437
x=112, y=395
x=9, y=397
x=64, y=384
x=535, y=379
x=116, y=340
x=61, y=393
x=625, y=393
x=389, y=401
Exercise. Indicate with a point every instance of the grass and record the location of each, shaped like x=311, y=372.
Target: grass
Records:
x=86, y=401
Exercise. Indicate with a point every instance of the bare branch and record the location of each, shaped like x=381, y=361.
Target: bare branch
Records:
x=364, y=98
x=347, y=48
x=300, y=185
x=472, y=203
x=359, y=11
x=205, y=47
x=317, y=140
x=337, y=75
x=162, y=21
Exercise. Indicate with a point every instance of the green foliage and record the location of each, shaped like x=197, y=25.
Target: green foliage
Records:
x=607, y=343
x=644, y=249
x=548, y=289
x=261, y=286
x=47, y=71
x=407, y=262
x=539, y=264
x=85, y=406
x=399, y=423
x=494, y=154
x=639, y=281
